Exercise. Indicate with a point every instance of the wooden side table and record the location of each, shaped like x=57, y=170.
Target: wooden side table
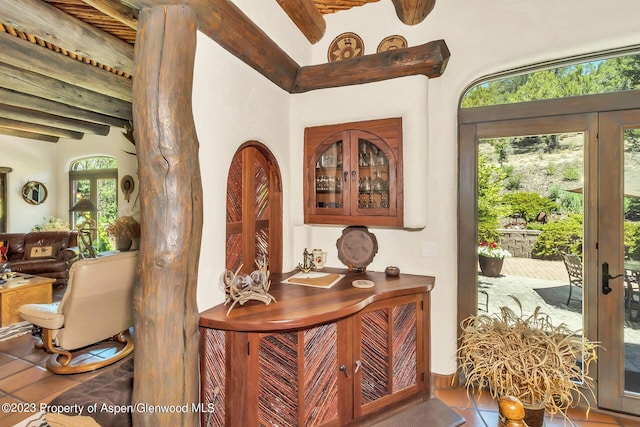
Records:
x=20, y=290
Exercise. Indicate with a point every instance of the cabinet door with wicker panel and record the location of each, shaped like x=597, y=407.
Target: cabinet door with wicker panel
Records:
x=325, y=375
x=388, y=353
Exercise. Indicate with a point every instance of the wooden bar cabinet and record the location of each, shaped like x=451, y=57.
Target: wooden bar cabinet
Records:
x=317, y=357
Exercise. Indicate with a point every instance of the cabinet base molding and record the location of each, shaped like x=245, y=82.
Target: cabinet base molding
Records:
x=445, y=382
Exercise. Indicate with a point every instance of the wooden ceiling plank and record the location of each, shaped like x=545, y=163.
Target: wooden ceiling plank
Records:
x=18, y=99
x=52, y=25
x=28, y=135
x=307, y=18
x=412, y=12
x=223, y=22
x=117, y=11
x=40, y=129
x=429, y=59
x=32, y=57
x=41, y=118
x=55, y=90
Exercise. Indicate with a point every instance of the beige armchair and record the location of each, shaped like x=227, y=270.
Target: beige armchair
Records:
x=97, y=305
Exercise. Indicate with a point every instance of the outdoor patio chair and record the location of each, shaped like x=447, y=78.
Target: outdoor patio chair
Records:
x=632, y=294
x=573, y=264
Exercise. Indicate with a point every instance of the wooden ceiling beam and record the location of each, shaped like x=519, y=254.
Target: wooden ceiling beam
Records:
x=32, y=57
x=116, y=10
x=429, y=59
x=307, y=18
x=28, y=135
x=39, y=129
x=224, y=22
x=55, y=90
x=41, y=118
x=53, y=25
x=18, y=99
x=412, y=12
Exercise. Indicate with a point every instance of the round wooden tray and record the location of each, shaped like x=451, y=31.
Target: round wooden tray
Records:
x=357, y=247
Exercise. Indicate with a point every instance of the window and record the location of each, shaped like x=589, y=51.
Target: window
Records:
x=95, y=179
x=603, y=75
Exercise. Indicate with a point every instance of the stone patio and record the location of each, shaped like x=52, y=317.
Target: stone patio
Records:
x=546, y=284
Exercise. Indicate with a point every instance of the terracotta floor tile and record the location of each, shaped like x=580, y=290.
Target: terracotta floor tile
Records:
x=44, y=387
x=490, y=417
x=472, y=417
x=13, y=367
x=455, y=398
x=19, y=346
x=5, y=358
x=486, y=402
x=23, y=378
x=37, y=357
x=582, y=423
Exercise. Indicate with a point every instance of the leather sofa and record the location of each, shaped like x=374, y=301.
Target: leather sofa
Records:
x=41, y=253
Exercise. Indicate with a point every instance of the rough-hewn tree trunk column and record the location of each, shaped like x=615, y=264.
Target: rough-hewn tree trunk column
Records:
x=166, y=315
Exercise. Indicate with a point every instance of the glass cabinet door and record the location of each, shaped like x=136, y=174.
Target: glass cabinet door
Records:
x=330, y=178
x=373, y=189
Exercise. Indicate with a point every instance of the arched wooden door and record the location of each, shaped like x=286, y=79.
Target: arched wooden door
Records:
x=254, y=209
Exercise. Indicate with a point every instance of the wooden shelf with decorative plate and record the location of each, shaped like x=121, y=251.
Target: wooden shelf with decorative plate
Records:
x=315, y=356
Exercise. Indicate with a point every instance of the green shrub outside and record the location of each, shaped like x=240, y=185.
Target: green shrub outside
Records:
x=528, y=205
x=563, y=236
x=490, y=207
x=632, y=240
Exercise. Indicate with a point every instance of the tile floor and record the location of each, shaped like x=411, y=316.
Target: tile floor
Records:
x=483, y=412
x=23, y=378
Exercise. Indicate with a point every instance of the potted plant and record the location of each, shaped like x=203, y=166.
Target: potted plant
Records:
x=544, y=366
x=126, y=232
x=491, y=258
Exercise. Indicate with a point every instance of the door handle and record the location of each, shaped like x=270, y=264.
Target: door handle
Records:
x=344, y=370
x=606, y=289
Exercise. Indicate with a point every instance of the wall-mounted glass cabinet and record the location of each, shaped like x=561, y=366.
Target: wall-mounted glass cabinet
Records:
x=354, y=173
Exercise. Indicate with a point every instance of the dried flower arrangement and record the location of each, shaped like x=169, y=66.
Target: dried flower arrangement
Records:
x=240, y=288
x=124, y=227
x=526, y=357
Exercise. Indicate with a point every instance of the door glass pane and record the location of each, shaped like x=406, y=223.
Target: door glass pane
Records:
x=530, y=204
x=329, y=177
x=632, y=259
x=107, y=211
x=373, y=176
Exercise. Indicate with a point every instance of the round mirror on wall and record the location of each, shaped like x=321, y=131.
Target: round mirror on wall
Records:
x=34, y=192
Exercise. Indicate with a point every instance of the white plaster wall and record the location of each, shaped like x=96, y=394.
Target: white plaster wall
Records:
x=30, y=161
x=114, y=145
x=49, y=163
x=483, y=37
x=232, y=104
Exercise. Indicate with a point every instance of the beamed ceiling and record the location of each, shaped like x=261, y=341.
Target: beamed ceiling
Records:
x=66, y=66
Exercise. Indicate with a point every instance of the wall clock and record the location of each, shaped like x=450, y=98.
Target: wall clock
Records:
x=391, y=43
x=357, y=247
x=345, y=46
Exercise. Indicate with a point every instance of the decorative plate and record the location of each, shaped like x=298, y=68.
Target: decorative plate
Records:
x=357, y=247
x=345, y=46
x=391, y=43
x=362, y=284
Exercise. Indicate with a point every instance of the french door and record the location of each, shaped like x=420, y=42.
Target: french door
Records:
x=611, y=228
x=619, y=260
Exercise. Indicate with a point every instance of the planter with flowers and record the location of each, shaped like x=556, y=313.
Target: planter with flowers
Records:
x=126, y=232
x=491, y=258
